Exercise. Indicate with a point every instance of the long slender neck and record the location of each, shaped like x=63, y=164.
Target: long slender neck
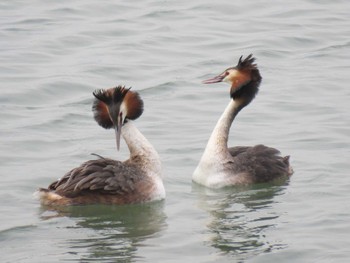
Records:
x=141, y=150
x=217, y=144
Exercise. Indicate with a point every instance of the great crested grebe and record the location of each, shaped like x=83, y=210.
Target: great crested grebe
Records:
x=221, y=166
x=107, y=181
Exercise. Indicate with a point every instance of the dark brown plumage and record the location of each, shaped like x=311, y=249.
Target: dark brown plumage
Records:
x=262, y=163
x=103, y=181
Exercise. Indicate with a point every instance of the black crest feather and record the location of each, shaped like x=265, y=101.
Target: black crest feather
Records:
x=247, y=63
x=102, y=95
x=119, y=93
x=107, y=97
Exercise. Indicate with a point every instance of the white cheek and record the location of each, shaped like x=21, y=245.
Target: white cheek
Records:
x=227, y=79
x=231, y=76
x=123, y=109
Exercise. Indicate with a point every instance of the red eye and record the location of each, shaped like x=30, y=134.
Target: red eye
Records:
x=226, y=73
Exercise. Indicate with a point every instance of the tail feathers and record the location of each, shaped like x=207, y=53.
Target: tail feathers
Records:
x=286, y=161
x=50, y=198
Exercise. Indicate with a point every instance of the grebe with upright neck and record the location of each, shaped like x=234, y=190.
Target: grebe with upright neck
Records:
x=221, y=166
x=107, y=181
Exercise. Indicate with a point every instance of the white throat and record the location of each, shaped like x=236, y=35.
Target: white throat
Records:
x=141, y=149
x=216, y=154
x=217, y=143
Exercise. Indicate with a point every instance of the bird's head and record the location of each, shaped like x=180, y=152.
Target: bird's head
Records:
x=244, y=79
x=113, y=107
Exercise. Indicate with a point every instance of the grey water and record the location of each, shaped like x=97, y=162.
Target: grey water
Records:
x=54, y=54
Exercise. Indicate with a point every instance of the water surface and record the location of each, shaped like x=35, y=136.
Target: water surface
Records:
x=54, y=54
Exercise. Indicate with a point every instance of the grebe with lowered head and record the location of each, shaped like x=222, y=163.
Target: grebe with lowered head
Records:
x=221, y=166
x=107, y=181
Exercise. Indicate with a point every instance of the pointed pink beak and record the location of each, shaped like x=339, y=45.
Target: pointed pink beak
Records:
x=118, y=128
x=216, y=79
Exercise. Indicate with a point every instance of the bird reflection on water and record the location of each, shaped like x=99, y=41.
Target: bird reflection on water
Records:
x=117, y=231
x=240, y=216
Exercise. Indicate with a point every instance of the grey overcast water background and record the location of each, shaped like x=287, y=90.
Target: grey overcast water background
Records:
x=55, y=53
